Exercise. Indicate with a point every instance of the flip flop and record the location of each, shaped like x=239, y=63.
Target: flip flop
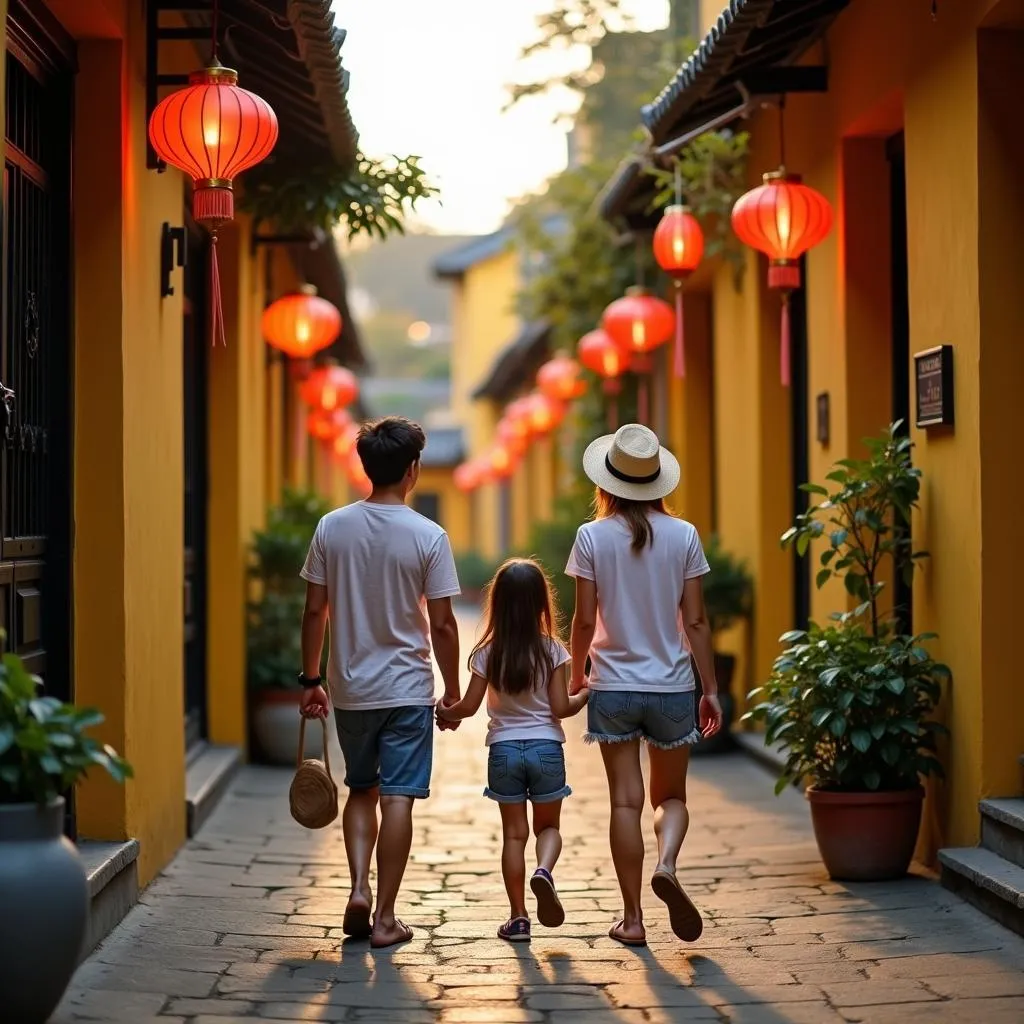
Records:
x=405, y=934
x=356, y=922
x=687, y=924
x=550, y=911
x=615, y=933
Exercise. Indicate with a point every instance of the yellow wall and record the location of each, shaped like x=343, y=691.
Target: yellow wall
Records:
x=950, y=89
x=454, y=505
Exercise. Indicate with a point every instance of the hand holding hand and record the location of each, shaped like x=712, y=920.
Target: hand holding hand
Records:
x=314, y=703
x=443, y=723
x=576, y=685
x=710, y=715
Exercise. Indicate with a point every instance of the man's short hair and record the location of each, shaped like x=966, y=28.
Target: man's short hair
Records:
x=388, y=447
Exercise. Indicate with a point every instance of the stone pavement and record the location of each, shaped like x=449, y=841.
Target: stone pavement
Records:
x=245, y=924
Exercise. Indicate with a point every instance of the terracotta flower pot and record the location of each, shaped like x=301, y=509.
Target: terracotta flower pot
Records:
x=866, y=837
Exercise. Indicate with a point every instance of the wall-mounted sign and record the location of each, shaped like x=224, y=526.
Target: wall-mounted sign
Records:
x=933, y=381
x=823, y=424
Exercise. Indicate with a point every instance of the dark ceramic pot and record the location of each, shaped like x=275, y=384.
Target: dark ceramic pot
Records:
x=44, y=907
x=866, y=837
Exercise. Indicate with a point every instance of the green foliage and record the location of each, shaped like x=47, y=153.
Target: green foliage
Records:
x=728, y=588
x=853, y=712
x=866, y=519
x=44, y=749
x=475, y=571
x=372, y=199
x=852, y=703
x=273, y=634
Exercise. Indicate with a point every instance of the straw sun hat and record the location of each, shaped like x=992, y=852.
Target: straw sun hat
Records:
x=631, y=464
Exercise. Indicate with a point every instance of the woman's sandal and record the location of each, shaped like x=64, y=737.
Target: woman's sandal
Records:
x=403, y=934
x=687, y=924
x=615, y=932
x=356, y=923
x=515, y=930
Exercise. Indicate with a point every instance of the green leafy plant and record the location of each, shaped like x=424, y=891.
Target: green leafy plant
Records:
x=278, y=593
x=728, y=588
x=852, y=703
x=372, y=199
x=44, y=748
x=475, y=571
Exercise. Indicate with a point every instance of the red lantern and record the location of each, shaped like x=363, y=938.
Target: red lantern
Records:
x=468, y=476
x=302, y=324
x=357, y=477
x=329, y=387
x=517, y=417
x=327, y=425
x=346, y=441
x=213, y=131
x=782, y=218
x=514, y=434
x=501, y=462
x=544, y=414
x=598, y=353
x=559, y=379
x=678, y=249
x=639, y=322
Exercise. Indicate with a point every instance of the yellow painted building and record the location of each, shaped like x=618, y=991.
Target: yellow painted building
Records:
x=139, y=459
x=495, y=356
x=904, y=120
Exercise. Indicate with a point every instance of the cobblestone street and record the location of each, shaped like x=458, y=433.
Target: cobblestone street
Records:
x=246, y=923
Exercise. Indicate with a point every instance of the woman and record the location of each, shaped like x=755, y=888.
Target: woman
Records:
x=638, y=573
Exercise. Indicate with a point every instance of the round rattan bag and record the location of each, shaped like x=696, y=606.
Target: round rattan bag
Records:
x=313, y=796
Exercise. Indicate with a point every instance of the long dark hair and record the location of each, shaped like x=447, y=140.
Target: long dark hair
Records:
x=635, y=514
x=520, y=620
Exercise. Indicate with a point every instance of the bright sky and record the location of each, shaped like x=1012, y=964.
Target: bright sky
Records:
x=429, y=78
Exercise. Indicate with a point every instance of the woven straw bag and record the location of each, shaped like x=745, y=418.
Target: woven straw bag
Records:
x=313, y=796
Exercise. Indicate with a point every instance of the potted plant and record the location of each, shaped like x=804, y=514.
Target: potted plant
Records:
x=727, y=598
x=44, y=898
x=851, y=703
x=474, y=573
x=273, y=634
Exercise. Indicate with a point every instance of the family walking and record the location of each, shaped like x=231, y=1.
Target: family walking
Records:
x=384, y=577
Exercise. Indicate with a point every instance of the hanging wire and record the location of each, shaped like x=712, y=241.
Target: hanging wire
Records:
x=638, y=255
x=213, y=31
x=678, y=183
x=935, y=10
x=782, y=132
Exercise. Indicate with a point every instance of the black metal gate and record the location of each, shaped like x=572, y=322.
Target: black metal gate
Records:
x=35, y=363
x=195, y=377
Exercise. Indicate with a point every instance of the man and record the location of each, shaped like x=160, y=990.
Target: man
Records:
x=385, y=577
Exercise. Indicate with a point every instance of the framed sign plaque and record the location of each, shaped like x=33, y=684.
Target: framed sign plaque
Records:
x=824, y=426
x=933, y=386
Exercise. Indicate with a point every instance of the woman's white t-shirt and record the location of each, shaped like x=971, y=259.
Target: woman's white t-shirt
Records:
x=526, y=715
x=639, y=643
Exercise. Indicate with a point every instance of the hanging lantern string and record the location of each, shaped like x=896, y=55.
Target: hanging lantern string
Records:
x=678, y=184
x=213, y=31
x=782, y=131
x=639, y=262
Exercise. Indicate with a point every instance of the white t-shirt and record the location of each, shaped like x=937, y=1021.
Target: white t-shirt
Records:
x=380, y=564
x=522, y=716
x=639, y=642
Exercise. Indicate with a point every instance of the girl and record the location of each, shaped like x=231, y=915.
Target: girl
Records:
x=638, y=576
x=522, y=668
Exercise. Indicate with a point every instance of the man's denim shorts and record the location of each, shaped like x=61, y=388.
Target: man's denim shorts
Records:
x=520, y=770
x=388, y=747
x=663, y=720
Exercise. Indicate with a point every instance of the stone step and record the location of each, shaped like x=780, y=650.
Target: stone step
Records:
x=113, y=886
x=209, y=771
x=988, y=882
x=1002, y=828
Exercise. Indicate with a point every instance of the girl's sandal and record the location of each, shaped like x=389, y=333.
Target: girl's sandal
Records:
x=515, y=930
x=684, y=917
x=550, y=911
x=616, y=933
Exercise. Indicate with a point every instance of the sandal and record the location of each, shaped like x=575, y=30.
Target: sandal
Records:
x=684, y=917
x=615, y=932
x=550, y=911
x=356, y=922
x=515, y=930
x=403, y=934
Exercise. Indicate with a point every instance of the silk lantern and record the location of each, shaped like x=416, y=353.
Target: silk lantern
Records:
x=501, y=462
x=327, y=424
x=513, y=434
x=301, y=324
x=678, y=250
x=346, y=441
x=357, y=477
x=544, y=414
x=213, y=131
x=559, y=379
x=599, y=354
x=467, y=477
x=329, y=387
x=782, y=218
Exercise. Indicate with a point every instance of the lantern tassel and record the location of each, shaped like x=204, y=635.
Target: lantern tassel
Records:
x=216, y=306
x=784, y=345
x=680, y=352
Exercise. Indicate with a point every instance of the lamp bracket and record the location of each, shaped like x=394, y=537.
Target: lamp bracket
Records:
x=173, y=253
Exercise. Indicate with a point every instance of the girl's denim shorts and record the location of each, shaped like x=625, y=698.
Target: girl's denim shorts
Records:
x=520, y=770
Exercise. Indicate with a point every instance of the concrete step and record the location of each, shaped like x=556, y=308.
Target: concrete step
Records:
x=209, y=770
x=1002, y=828
x=113, y=886
x=988, y=882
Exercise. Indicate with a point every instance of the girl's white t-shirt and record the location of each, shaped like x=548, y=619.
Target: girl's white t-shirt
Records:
x=526, y=715
x=639, y=643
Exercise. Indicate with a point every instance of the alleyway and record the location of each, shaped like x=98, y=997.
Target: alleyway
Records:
x=246, y=924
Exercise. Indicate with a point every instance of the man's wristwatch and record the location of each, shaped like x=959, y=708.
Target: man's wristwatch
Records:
x=308, y=682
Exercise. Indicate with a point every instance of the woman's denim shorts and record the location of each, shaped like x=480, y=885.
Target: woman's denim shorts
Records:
x=663, y=720
x=520, y=770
